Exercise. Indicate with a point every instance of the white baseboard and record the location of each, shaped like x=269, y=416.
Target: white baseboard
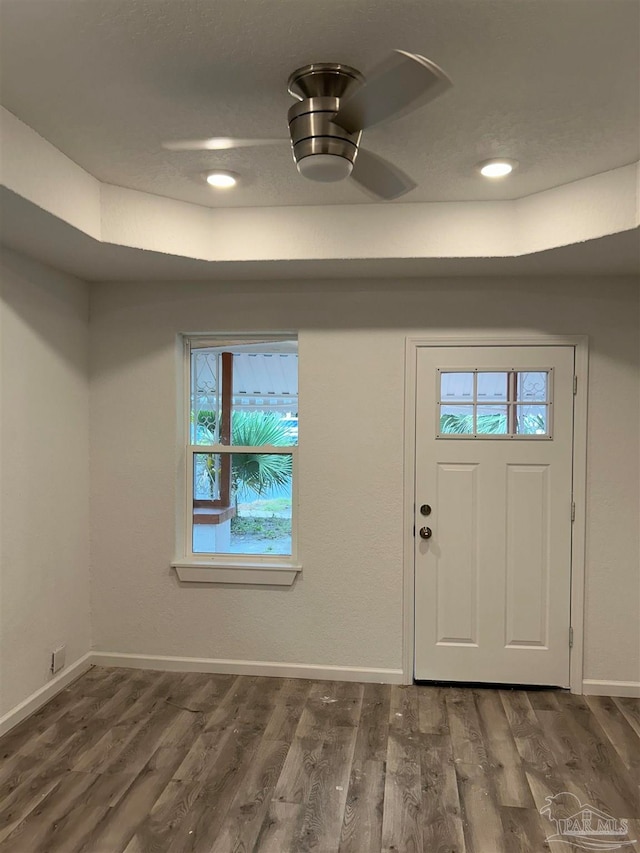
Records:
x=248, y=667
x=590, y=686
x=183, y=664
x=40, y=697
x=593, y=687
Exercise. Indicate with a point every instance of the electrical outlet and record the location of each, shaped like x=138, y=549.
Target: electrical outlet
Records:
x=57, y=658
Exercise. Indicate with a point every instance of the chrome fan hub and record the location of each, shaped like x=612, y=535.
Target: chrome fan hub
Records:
x=313, y=132
x=322, y=150
x=323, y=79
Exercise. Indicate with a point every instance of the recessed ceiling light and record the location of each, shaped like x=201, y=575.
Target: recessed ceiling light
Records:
x=497, y=168
x=221, y=179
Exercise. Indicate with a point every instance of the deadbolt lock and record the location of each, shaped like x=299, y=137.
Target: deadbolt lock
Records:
x=425, y=509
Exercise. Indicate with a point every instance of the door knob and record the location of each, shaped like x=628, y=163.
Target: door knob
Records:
x=425, y=533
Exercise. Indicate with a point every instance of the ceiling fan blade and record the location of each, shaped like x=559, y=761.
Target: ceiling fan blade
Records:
x=217, y=143
x=378, y=177
x=400, y=84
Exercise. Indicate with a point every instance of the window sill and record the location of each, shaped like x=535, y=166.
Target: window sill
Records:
x=258, y=573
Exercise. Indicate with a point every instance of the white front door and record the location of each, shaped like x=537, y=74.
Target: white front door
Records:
x=493, y=481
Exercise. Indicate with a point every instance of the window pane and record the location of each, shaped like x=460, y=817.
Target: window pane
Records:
x=262, y=525
x=265, y=381
x=205, y=376
x=531, y=420
x=456, y=420
x=456, y=386
x=491, y=420
x=245, y=393
x=492, y=386
x=532, y=387
x=257, y=427
x=206, y=476
x=256, y=516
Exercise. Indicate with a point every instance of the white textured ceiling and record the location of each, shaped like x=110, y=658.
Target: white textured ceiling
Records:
x=551, y=83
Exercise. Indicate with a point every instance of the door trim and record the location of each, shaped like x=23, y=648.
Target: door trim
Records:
x=580, y=343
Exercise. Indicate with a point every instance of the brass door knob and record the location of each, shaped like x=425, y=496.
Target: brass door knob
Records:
x=425, y=533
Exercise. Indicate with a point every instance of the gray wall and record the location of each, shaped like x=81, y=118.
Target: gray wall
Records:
x=44, y=478
x=346, y=607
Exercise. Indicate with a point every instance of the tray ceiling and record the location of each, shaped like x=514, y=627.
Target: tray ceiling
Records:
x=551, y=83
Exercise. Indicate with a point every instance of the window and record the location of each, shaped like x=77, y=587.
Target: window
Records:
x=241, y=427
x=495, y=404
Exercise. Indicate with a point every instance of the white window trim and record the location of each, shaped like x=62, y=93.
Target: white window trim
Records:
x=279, y=570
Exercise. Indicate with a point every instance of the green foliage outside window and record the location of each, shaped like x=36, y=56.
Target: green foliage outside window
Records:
x=493, y=424
x=251, y=473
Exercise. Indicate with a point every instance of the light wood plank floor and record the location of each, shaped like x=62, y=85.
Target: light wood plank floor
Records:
x=150, y=762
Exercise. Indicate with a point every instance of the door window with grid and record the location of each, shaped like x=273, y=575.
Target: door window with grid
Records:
x=495, y=403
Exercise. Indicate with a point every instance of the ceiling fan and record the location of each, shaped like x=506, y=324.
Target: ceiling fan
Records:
x=335, y=104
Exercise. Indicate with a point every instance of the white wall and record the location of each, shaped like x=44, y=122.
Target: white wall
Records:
x=346, y=607
x=44, y=488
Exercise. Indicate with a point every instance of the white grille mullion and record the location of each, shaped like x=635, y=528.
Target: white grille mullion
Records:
x=282, y=449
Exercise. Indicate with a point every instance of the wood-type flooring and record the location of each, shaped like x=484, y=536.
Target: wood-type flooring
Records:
x=131, y=761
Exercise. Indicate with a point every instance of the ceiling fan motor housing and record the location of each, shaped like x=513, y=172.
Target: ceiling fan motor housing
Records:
x=322, y=150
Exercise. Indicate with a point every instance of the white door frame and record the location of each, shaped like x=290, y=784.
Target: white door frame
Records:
x=579, y=526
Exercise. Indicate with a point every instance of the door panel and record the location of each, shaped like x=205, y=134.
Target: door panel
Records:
x=493, y=580
x=527, y=552
x=456, y=555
